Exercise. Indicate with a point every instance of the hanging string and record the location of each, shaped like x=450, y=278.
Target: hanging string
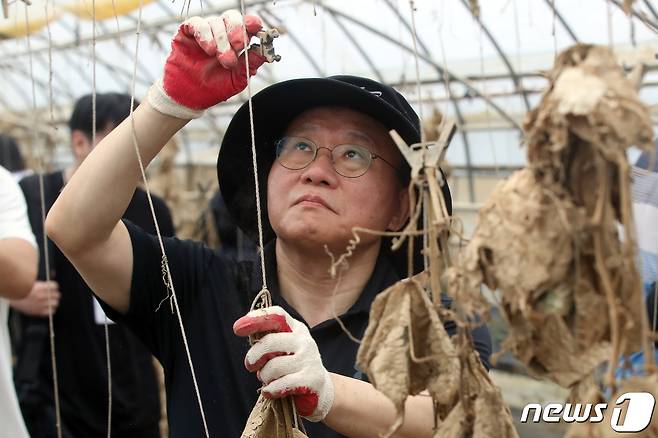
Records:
x=165, y=263
x=264, y=290
x=264, y=298
x=486, y=103
x=40, y=158
x=426, y=223
x=50, y=70
x=517, y=35
x=109, y=378
x=420, y=100
x=116, y=18
x=609, y=17
x=444, y=61
x=93, y=73
x=106, y=330
x=336, y=271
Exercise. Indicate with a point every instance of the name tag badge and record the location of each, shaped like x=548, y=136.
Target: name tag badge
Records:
x=99, y=314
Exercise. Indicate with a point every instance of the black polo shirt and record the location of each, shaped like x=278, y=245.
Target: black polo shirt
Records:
x=212, y=292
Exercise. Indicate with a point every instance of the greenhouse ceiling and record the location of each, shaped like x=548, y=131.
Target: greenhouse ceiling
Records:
x=483, y=66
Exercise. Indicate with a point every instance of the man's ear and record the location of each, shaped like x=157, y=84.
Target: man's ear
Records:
x=398, y=220
x=80, y=144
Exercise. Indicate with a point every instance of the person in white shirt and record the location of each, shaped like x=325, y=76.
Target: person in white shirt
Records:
x=18, y=270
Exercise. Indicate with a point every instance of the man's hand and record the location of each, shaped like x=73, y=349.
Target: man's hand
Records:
x=287, y=361
x=42, y=299
x=205, y=66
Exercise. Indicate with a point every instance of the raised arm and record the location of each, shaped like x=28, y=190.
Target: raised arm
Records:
x=202, y=69
x=85, y=222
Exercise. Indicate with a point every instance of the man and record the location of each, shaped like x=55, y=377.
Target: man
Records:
x=18, y=269
x=79, y=321
x=327, y=164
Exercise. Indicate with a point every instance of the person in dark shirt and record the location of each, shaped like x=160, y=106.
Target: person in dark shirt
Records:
x=79, y=321
x=326, y=164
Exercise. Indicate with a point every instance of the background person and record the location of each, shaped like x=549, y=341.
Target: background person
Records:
x=79, y=320
x=18, y=269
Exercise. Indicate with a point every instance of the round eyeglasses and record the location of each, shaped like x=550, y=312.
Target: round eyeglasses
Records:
x=350, y=161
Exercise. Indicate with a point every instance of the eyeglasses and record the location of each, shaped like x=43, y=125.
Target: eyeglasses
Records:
x=350, y=161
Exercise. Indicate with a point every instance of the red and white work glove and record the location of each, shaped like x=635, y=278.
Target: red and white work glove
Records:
x=204, y=66
x=286, y=359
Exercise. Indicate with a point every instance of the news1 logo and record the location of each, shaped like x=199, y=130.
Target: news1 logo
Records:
x=638, y=412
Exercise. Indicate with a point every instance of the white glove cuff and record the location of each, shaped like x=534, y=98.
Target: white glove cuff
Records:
x=326, y=400
x=161, y=102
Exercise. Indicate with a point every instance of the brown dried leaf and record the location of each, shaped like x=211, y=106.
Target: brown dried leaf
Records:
x=522, y=242
x=454, y=426
x=559, y=357
x=493, y=417
x=588, y=99
x=590, y=322
x=548, y=238
x=524, y=245
x=271, y=418
x=406, y=349
x=481, y=411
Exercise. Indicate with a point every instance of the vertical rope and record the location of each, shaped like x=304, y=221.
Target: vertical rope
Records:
x=253, y=152
x=486, y=104
x=109, y=378
x=40, y=155
x=415, y=44
x=609, y=16
x=444, y=61
x=517, y=35
x=93, y=73
x=165, y=262
x=116, y=18
x=106, y=330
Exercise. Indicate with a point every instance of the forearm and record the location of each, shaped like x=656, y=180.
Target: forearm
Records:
x=99, y=192
x=18, y=268
x=359, y=410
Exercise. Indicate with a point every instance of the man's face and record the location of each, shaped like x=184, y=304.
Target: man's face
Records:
x=315, y=205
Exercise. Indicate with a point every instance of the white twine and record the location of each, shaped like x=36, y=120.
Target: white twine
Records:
x=253, y=150
x=106, y=330
x=420, y=100
x=41, y=154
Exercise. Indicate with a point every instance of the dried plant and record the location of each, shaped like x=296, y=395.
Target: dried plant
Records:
x=406, y=349
x=548, y=239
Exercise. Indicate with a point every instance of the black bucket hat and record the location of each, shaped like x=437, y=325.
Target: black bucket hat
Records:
x=273, y=109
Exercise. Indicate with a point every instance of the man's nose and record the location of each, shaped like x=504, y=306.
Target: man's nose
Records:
x=321, y=169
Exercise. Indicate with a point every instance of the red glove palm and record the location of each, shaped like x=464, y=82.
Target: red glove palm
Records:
x=204, y=66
